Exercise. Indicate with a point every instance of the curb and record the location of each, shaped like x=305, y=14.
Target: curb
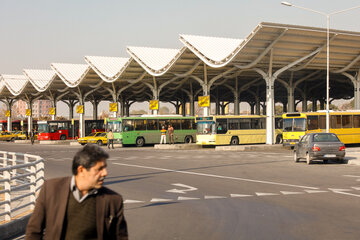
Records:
x=14, y=228
x=177, y=146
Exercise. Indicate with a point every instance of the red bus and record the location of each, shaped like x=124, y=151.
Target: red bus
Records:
x=16, y=125
x=63, y=129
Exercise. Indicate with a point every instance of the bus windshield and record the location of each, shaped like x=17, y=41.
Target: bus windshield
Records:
x=43, y=128
x=114, y=126
x=294, y=124
x=206, y=128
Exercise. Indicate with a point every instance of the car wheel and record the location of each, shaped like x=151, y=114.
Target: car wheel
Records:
x=83, y=144
x=100, y=143
x=62, y=137
x=234, y=141
x=340, y=160
x=325, y=161
x=12, y=139
x=308, y=161
x=279, y=139
x=296, y=159
x=188, y=139
x=140, y=142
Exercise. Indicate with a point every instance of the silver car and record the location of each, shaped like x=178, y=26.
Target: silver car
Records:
x=319, y=146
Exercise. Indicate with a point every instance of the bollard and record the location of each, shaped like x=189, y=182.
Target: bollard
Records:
x=7, y=194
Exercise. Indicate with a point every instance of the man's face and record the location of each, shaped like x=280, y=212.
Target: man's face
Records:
x=95, y=176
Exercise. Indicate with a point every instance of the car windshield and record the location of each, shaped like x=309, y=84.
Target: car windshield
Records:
x=294, y=124
x=92, y=134
x=325, y=138
x=206, y=128
x=102, y=135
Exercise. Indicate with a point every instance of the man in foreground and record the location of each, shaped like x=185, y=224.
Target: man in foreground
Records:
x=79, y=207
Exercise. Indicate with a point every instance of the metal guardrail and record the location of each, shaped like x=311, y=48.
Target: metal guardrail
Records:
x=22, y=174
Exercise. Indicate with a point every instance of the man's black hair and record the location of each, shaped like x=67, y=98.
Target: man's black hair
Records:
x=88, y=156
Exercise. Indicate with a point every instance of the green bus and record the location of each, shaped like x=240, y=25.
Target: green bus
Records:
x=146, y=129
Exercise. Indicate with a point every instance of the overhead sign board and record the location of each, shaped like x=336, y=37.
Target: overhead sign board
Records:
x=204, y=101
x=80, y=109
x=51, y=111
x=113, y=107
x=154, y=105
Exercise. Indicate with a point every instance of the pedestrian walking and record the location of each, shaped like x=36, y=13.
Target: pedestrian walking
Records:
x=32, y=136
x=171, y=134
x=110, y=137
x=163, y=135
x=79, y=206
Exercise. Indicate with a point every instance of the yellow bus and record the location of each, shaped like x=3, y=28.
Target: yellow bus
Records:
x=346, y=125
x=234, y=129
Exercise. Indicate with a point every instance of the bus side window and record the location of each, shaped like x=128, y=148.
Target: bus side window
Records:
x=151, y=124
x=356, y=120
x=234, y=124
x=221, y=125
x=335, y=121
x=312, y=122
x=128, y=125
x=347, y=121
x=175, y=123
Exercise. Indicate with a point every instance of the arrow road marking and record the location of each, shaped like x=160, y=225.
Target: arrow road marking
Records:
x=189, y=188
x=346, y=193
x=316, y=191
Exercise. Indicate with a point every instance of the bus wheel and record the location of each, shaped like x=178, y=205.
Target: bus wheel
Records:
x=140, y=142
x=279, y=139
x=188, y=139
x=62, y=137
x=100, y=143
x=234, y=141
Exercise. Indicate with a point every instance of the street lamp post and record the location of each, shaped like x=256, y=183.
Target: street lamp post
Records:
x=327, y=15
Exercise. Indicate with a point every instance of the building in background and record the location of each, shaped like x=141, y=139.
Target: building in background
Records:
x=40, y=108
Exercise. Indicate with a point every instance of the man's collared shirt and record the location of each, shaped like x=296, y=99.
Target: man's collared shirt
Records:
x=76, y=192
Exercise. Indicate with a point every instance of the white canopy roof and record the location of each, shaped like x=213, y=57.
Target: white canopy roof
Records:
x=40, y=79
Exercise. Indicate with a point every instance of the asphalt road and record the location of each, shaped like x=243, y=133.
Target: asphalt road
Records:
x=207, y=194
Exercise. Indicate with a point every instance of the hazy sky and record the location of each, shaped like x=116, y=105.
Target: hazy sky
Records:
x=38, y=32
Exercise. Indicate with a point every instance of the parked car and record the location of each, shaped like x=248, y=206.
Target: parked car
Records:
x=319, y=146
x=100, y=139
x=19, y=135
x=84, y=140
x=7, y=136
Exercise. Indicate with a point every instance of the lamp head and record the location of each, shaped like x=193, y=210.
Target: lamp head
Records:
x=286, y=4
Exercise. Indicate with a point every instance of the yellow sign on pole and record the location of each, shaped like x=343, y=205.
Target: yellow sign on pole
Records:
x=72, y=121
x=51, y=111
x=80, y=109
x=154, y=105
x=7, y=113
x=28, y=112
x=204, y=101
x=105, y=121
x=113, y=107
x=22, y=123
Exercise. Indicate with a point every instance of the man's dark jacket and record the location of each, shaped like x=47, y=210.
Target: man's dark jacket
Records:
x=51, y=206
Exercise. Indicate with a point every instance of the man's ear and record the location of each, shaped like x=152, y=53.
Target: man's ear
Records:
x=80, y=169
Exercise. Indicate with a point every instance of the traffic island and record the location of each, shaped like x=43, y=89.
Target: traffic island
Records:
x=178, y=146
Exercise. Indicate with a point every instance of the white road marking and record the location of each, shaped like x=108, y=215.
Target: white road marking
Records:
x=132, y=201
x=239, y=195
x=290, y=193
x=339, y=190
x=356, y=188
x=188, y=188
x=214, y=197
x=346, y=193
x=161, y=200
x=216, y=176
x=316, y=191
x=186, y=198
x=266, y=194
x=354, y=176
